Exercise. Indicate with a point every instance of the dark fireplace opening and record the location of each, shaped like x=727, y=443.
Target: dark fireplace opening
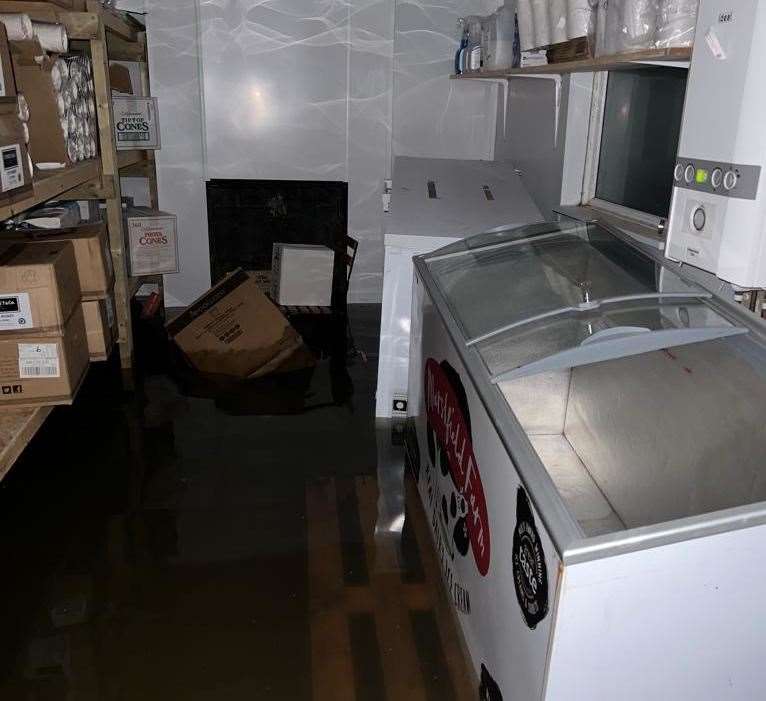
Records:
x=247, y=217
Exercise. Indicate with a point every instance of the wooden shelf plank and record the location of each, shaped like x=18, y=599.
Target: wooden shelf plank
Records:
x=113, y=20
x=602, y=63
x=51, y=184
x=125, y=159
x=17, y=428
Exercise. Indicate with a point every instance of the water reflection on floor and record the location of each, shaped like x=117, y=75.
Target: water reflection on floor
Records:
x=180, y=542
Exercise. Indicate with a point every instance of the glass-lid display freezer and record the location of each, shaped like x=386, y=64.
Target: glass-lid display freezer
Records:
x=587, y=428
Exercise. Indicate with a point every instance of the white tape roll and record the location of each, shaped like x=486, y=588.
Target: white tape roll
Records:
x=52, y=37
x=17, y=26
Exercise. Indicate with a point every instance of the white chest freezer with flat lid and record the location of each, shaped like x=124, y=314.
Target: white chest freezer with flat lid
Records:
x=587, y=433
x=435, y=201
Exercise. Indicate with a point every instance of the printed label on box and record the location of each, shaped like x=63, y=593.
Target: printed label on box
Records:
x=38, y=360
x=152, y=245
x=15, y=312
x=11, y=168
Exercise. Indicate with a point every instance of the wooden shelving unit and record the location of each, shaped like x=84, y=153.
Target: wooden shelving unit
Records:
x=603, y=63
x=105, y=34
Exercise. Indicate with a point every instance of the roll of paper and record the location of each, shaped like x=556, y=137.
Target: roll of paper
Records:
x=579, y=18
x=23, y=107
x=638, y=26
x=52, y=37
x=542, y=23
x=526, y=25
x=17, y=26
x=557, y=21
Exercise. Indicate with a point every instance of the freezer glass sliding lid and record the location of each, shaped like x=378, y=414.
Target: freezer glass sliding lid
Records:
x=554, y=296
x=640, y=395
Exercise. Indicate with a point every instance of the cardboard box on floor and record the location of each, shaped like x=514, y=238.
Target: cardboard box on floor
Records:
x=100, y=327
x=37, y=370
x=91, y=252
x=234, y=329
x=39, y=287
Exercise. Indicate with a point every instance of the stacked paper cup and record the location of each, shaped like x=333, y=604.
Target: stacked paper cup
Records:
x=23, y=112
x=72, y=78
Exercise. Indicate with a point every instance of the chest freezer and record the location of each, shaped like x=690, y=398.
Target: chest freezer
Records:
x=435, y=201
x=586, y=429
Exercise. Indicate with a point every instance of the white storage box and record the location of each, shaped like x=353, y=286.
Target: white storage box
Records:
x=152, y=241
x=136, y=122
x=302, y=274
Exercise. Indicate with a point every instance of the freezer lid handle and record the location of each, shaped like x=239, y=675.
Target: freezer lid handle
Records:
x=618, y=342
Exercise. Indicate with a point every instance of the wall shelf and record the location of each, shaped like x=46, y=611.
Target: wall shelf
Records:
x=602, y=63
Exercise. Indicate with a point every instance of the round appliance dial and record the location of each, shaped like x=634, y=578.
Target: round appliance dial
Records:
x=730, y=179
x=716, y=177
x=678, y=171
x=698, y=219
x=689, y=173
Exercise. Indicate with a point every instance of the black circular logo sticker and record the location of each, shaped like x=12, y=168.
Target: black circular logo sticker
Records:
x=530, y=575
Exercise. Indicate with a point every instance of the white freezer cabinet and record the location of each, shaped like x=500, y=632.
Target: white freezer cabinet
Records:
x=586, y=428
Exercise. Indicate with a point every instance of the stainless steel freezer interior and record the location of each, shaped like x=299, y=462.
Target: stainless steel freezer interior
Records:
x=641, y=394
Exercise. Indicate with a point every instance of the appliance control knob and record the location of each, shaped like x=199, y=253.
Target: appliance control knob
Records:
x=689, y=173
x=730, y=179
x=698, y=219
x=678, y=171
x=716, y=177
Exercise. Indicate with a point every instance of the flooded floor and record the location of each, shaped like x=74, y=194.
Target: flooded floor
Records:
x=186, y=541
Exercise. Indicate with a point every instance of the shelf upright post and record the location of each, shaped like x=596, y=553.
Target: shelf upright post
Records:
x=110, y=169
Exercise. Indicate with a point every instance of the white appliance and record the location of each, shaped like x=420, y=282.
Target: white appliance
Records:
x=718, y=209
x=435, y=201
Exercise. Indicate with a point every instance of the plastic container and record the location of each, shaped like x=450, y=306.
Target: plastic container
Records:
x=676, y=22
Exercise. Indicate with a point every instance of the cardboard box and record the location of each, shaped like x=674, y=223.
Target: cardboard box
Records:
x=100, y=327
x=37, y=370
x=302, y=274
x=234, y=329
x=136, y=122
x=91, y=251
x=152, y=241
x=7, y=79
x=39, y=287
x=15, y=176
x=119, y=79
x=47, y=143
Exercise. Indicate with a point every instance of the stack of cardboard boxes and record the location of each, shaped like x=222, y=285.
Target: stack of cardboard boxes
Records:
x=56, y=313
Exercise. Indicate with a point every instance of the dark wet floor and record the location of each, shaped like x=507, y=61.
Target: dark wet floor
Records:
x=187, y=541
